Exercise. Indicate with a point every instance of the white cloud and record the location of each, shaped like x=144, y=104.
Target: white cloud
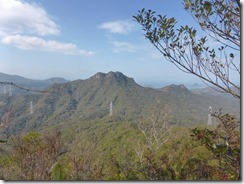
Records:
x=121, y=26
x=20, y=17
x=147, y=52
x=119, y=46
x=35, y=43
x=24, y=25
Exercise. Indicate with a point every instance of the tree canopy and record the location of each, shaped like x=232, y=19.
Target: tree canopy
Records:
x=194, y=53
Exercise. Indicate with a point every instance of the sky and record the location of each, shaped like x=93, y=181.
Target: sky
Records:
x=75, y=39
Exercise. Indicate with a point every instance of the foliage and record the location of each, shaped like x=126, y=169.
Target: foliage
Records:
x=219, y=19
x=145, y=162
x=224, y=143
x=199, y=169
x=57, y=172
x=109, y=151
x=83, y=164
x=189, y=51
x=150, y=167
x=34, y=154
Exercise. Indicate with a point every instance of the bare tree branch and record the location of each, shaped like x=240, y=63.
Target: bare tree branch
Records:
x=183, y=48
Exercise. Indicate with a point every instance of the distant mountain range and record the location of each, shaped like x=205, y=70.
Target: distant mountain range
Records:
x=28, y=83
x=85, y=100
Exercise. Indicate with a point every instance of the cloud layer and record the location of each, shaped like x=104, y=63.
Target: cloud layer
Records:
x=119, y=46
x=24, y=26
x=120, y=26
x=36, y=43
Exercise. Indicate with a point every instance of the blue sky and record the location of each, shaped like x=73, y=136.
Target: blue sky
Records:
x=75, y=39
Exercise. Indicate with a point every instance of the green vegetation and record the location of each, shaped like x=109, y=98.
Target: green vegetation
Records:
x=85, y=100
x=154, y=134
x=101, y=150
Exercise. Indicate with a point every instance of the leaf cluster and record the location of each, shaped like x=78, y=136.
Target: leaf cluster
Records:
x=191, y=52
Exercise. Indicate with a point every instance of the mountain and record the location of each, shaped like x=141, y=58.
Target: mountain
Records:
x=90, y=99
x=55, y=80
x=176, y=89
x=28, y=83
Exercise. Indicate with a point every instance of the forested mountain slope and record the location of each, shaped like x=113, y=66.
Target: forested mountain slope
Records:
x=84, y=100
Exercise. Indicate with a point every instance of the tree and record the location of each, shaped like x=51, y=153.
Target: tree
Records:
x=147, y=162
x=224, y=143
x=34, y=154
x=155, y=128
x=82, y=163
x=191, y=52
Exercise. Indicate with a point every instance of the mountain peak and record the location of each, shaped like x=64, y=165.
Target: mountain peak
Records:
x=109, y=74
x=182, y=86
x=56, y=80
x=98, y=75
x=112, y=76
x=115, y=74
x=175, y=88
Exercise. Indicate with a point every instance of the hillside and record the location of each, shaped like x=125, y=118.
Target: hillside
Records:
x=27, y=83
x=89, y=100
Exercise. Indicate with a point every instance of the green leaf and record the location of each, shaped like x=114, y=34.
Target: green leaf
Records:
x=194, y=33
x=187, y=4
x=57, y=172
x=208, y=7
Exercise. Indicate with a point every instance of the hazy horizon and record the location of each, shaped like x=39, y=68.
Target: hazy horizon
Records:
x=144, y=83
